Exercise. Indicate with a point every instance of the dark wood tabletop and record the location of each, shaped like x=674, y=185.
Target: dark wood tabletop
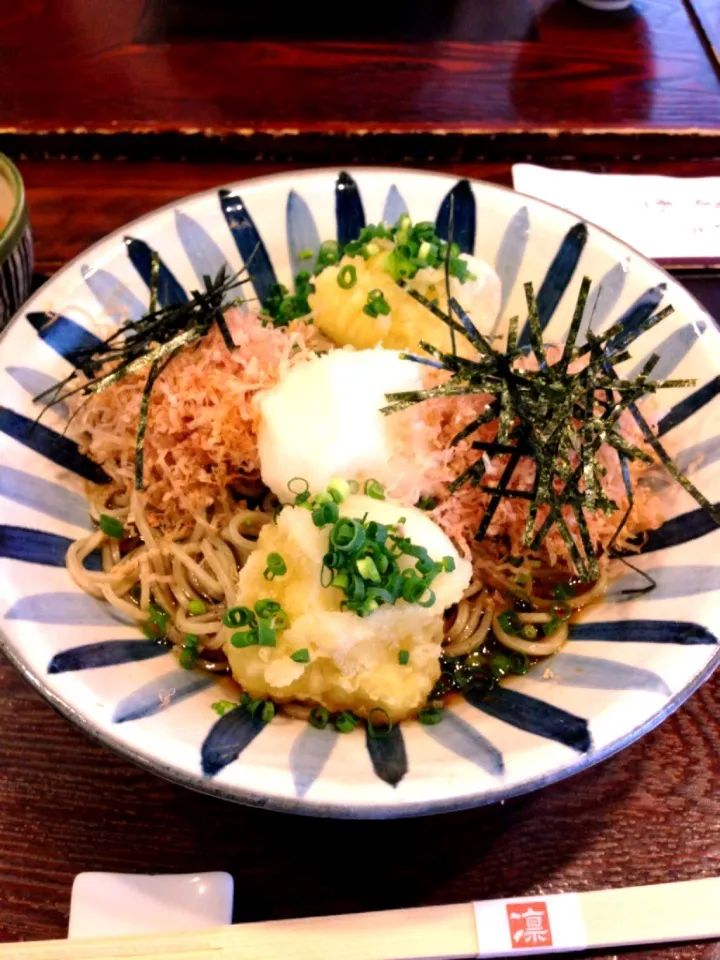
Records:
x=647, y=815
x=407, y=81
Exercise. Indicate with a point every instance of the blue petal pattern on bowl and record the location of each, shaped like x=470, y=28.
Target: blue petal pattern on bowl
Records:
x=116, y=299
x=249, y=243
x=310, y=751
x=38, y=546
x=64, y=336
x=534, y=716
x=169, y=291
x=44, y=496
x=45, y=441
x=106, y=653
x=559, y=274
x=460, y=201
x=35, y=382
x=388, y=756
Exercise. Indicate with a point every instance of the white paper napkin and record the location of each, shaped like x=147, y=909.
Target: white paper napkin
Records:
x=662, y=217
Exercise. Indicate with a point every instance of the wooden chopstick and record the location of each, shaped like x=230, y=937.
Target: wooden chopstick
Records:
x=663, y=913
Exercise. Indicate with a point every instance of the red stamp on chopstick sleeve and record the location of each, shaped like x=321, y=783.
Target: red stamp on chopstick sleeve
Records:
x=529, y=925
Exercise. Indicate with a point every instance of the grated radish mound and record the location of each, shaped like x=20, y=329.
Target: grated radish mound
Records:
x=201, y=439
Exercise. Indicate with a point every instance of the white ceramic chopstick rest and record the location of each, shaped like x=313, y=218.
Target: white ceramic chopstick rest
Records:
x=121, y=904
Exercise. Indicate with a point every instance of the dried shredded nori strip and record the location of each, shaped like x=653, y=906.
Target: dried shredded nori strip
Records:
x=558, y=419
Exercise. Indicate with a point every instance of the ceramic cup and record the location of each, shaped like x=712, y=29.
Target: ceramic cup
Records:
x=16, y=247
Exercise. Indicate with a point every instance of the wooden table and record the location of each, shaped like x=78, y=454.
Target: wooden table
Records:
x=412, y=81
x=649, y=814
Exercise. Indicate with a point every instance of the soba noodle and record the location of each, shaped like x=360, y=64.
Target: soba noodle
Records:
x=167, y=572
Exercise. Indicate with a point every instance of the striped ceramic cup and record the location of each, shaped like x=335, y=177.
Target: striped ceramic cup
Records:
x=16, y=247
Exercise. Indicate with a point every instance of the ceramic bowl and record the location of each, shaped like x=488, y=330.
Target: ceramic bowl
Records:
x=627, y=665
x=16, y=249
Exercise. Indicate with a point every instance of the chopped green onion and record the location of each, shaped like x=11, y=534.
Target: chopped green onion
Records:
x=153, y=630
x=551, y=627
x=319, y=718
x=347, y=535
x=301, y=656
x=266, y=633
x=426, y=503
x=246, y=638
x=424, y=251
x=381, y=727
x=519, y=663
x=404, y=658
x=563, y=591
x=347, y=277
x=328, y=254
x=529, y=631
x=306, y=255
x=221, y=707
x=298, y=485
x=374, y=489
x=280, y=620
x=267, y=712
x=500, y=664
x=413, y=588
x=429, y=601
x=188, y=658
x=345, y=722
x=560, y=611
x=196, y=608
x=430, y=716
x=159, y=615
x=275, y=566
x=234, y=617
x=192, y=640
x=448, y=564
x=367, y=569
x=111, y=526
x=339, y=489
x=508, y=621
x=341, y=580
x=376, y=304
x=267, y=608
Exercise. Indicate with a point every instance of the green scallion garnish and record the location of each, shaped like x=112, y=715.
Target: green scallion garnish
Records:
x=345, y=722
x=339, y=489
x=153, y=630
x=430, y=715
x=379, y=724
x=244, y=638
x=375, y=489
x=196, y=608
x=404, y=658
x=301, y=656
x=221, y=707
x=306, y=254
x=111, y=526
x=347, y=276
x=319, y=718
x=266, y=633
x=267, y=711
x=376, y=304
x=275, y=566
x=235, y=616
x=188, y=658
